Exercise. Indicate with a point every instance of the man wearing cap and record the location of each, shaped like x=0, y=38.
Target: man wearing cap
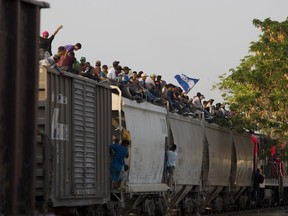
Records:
x=125, y=77
x=112, y=76
x=82, y=65
x=149, y=95
x=151, y=85
x=218, y=112
x=159, y=83
x=210, y=106
x=97, y=69
x=143, y=80
x=197, y=101
x=45, y=43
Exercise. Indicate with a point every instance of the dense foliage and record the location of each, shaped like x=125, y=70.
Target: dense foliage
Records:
x=257, y=89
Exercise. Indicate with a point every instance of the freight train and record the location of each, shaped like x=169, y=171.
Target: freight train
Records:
x=67, y=170
x=78, y=119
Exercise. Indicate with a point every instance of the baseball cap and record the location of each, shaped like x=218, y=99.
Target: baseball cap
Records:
x=115, y=63
x=83, y=59
x=126, y=68
x=45, y=34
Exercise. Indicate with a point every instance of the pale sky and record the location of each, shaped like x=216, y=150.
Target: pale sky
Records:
x=201, y=39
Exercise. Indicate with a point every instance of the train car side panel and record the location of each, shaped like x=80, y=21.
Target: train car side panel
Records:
x=148, y=131
x=188, y=136
x=77, y=115
x=219, y=144
x=244, y=154
x=59, y=131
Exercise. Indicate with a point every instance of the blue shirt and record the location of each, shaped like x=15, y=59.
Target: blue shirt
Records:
x=121, y=152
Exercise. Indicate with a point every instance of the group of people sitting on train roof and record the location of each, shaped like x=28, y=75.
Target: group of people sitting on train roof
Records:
x=134, y=85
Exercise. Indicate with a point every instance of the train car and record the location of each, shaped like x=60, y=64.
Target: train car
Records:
x=67, y=171
x=145, y=125
x=78, y=118
x=214, y=166
x=271, y=158
x=189, y=136
x=284, y=177
x=74, y=131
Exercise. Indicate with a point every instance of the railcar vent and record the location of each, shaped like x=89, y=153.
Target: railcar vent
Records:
x=84, y=139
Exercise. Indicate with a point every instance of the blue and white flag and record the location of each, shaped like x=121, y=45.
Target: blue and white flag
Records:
x=186, y=83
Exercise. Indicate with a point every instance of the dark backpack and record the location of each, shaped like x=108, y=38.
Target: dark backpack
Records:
x=260, y=178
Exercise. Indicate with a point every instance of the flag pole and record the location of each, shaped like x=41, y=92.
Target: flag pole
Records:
x=191, y=87
x=189, y=90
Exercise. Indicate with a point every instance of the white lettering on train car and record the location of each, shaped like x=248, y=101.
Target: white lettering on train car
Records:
x=61, y=99
x=59, y=131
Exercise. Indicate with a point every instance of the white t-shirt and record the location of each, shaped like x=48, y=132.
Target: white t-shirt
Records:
x=111, y=74
x=171, y=158
x=47, y=62
x=197, y=103
x=150, y=83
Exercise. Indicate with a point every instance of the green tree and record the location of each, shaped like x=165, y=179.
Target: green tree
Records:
x=257, y=88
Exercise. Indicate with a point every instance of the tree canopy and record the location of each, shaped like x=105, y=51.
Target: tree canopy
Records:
x=257, y=89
